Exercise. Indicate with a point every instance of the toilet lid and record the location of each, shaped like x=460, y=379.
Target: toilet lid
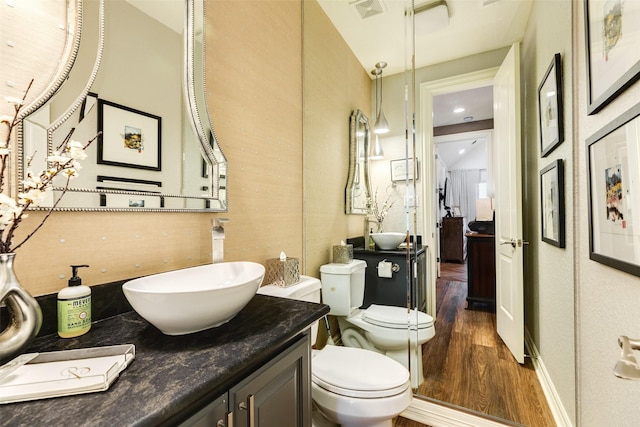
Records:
x=355, y=372
x=396, y=317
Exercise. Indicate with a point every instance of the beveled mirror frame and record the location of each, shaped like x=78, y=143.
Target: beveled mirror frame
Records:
x=215, y=196
x=358, y=203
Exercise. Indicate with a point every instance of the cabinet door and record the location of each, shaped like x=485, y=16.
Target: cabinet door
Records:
x=214, y=414
x=279, y=393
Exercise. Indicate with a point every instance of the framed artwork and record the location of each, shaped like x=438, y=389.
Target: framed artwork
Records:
x=613, y=57
x=550, y=107
x=613, y=166
x=403, y=169
x=552, y=204
x=129, y=193
x=129, y=138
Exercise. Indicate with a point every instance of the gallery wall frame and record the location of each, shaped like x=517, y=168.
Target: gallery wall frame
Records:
x=552, y=207
x=119, y=192
x=550, y=110
x=613, y=180
x=128, y=137
x=613, y=58
x=403, y=169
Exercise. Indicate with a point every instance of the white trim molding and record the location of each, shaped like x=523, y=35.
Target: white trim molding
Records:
x=437, y=414
x=553, y=399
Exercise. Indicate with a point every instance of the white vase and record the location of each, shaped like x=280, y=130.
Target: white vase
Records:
x=25, y=315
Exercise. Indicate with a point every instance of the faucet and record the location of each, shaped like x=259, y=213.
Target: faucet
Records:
x=217, y=239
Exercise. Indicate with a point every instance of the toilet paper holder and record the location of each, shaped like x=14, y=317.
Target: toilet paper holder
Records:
x=386, y=268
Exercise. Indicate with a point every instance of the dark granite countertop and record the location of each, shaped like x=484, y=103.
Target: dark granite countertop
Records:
x=171, y=376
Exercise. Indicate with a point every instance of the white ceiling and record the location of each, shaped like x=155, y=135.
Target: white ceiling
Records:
x=474, y=26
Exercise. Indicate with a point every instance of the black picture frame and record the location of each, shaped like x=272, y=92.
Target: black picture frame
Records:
x=128, y=137
x=613, y=181
x=613, y=58
x=122, y=192
x=550, y=111
x=552, y=207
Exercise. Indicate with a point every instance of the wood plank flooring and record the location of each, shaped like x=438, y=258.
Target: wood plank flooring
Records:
x=467, y=364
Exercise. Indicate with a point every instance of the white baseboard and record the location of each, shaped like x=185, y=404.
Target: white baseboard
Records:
x=553, y=399
x=441, y=415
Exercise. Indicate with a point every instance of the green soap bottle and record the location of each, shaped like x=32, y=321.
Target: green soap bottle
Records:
x=74, y=307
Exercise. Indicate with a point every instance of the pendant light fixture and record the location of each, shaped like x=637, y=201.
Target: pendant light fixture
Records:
x=381, y=126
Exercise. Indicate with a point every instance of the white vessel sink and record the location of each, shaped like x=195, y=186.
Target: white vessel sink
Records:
x=194, y=299
x=388, y=240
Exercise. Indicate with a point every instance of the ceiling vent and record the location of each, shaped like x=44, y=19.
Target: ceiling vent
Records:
x=369, y=8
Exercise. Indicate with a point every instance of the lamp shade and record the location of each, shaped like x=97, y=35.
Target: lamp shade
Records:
x=376, y=151
x=382, y=125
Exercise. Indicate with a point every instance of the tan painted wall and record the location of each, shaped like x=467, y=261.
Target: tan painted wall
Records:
x=334, y=84
x=255, y=95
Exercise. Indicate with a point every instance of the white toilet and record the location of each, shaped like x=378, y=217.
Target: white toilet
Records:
x=350, y=386
x=388, y=330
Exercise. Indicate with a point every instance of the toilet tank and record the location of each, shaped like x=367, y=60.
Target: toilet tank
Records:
x=343, y=286
x=307, y=289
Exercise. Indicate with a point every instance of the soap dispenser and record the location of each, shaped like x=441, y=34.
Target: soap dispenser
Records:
x=74, y=307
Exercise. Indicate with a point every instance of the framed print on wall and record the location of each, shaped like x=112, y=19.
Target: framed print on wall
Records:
x=550, y=107
x=552, y=204
x=613, y=166
x=129, y=138
x=129, y=193
x=403, y=169
x=613, y=57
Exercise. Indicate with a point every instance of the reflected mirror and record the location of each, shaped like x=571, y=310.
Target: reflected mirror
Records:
x=138, y=79
x=358, y=192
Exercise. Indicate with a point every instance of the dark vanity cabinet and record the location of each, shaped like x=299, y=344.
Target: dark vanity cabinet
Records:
x=481, y=269
x=452, y=239
x=393, y=291
x=277, y=394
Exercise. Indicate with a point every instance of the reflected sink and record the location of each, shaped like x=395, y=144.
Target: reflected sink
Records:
x=388, y=240
x=193, y=299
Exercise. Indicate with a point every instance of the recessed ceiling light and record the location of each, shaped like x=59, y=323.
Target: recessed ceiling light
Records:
x=458, y=110
x=461, y=151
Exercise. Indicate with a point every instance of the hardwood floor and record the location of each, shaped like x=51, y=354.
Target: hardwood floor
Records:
x=467, y=364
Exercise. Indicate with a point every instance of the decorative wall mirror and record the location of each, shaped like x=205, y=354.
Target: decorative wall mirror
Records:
x=358, y=190
x=139, y=78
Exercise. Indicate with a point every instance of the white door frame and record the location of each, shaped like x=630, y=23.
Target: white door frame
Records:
x=425, y=141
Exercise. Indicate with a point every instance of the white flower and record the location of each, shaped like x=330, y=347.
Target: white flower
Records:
x=75, y=150
x=58, y=159
x=6, y=202
x=33, y=196
x=71, y=172
x=4, y=151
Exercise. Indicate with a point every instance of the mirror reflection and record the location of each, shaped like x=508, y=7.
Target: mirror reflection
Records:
x=157, y=149
x=358, y=192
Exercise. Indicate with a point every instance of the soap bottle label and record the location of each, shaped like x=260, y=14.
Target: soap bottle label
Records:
x=74, y=314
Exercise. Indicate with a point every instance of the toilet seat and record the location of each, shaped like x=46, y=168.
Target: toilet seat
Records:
x=358, y=373
x=396, y=317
